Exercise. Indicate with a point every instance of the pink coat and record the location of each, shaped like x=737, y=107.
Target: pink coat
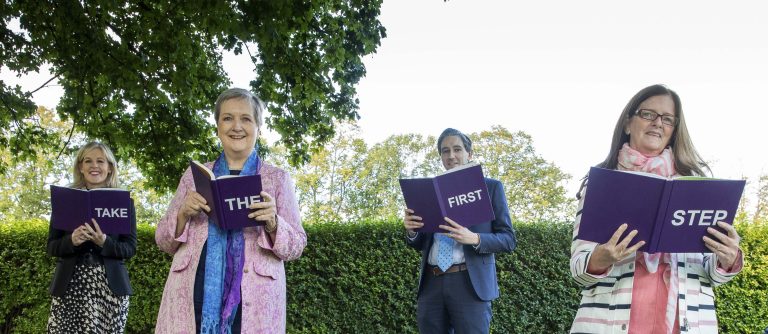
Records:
x=263, y=285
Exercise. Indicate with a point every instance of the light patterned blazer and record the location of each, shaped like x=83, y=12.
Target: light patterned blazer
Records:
x=605, y=302
x=263, y=286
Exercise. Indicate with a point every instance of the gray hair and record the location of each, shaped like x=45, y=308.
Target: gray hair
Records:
x=239, y=93
x=453, y=132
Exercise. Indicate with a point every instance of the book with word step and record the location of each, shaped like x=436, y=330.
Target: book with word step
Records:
x=670, y=215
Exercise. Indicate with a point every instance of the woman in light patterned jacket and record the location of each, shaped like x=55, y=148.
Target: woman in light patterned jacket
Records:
x=628, y=291
x=230, y=281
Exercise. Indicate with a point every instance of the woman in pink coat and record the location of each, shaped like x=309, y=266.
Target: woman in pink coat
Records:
x=230, y=281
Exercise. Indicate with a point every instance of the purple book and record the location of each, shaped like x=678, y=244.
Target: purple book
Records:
x=460, y=194
x=71, y=208
x=671, y=215
x=228, y=196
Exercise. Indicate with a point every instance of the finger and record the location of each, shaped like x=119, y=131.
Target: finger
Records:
x=634, y=248
x=259, y=213
x=409, y=211
x=414, y=225
x=714, y=245
x=616, y=235
x=453, y=223
x=414, y=218
x=263, y=217
x=266, y=196
x=448, y=229
x=729, y=229
x=625, y=242
x=96, y=227
x=197, y=197
x=206, y=208
x=711, y=244
x=722, y=238
x=261, y=205
x=90, y=230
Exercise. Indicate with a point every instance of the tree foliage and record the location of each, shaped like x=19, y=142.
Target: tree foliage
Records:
x=26, y=195
x=143, y=75
x=351, y=181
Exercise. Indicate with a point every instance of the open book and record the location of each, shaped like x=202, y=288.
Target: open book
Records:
x=671, y=215
x=228, y=196
x=111, y=207
x=460, y=194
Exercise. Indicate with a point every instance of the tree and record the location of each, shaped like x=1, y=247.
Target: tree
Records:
x=350, y=181
x=534, y=186
x=143, y=76
x=761, y=208
x=26, y=193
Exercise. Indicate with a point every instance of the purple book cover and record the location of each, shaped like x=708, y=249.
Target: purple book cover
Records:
x=110, y=207
x=229, y=197
x=460, y=194
x=651, y=205
x=693, y=206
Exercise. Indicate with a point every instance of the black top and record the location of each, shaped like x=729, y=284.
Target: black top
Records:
x=117, y=248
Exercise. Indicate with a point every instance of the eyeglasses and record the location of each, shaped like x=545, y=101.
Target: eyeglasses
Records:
x=650, y=115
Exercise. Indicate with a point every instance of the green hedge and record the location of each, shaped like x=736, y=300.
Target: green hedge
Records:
x=360, y=278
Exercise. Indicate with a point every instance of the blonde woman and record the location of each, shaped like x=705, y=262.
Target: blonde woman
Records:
x=90, y=287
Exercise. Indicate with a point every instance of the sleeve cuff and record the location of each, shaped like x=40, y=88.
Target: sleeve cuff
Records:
x=601, y=275
x=183, y=237
x=737, y=266
x=479, y=241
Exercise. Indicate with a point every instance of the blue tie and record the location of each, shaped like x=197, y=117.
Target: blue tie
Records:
x=444, y=251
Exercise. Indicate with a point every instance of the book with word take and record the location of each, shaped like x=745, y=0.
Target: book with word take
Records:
x=110, y=207
x=459, y=194
x=670, y=215
x=228, y=196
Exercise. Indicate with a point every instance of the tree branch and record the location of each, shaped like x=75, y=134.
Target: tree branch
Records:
x=46, y=83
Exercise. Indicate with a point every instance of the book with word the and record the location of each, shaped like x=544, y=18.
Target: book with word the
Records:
x=111, y=207
x=228, y=196
x=670, y=215
x=459, y=194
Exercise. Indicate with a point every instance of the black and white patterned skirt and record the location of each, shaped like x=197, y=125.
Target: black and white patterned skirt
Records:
x=88, y=305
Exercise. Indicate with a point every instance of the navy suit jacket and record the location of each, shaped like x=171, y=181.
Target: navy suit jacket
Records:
x=496, y=236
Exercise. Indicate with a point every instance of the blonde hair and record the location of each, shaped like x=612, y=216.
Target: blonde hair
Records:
x=79, y=178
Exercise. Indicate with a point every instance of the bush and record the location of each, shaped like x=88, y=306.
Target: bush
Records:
x=361, y=278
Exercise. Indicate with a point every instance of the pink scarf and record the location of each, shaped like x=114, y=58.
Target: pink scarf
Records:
x=664, y=165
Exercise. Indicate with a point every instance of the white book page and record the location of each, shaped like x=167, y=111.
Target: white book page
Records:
x=464, y=166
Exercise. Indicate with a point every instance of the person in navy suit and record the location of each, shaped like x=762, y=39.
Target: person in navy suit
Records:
x=455, y=293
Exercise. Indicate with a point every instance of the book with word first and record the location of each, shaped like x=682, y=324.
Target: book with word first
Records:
x=459, y=194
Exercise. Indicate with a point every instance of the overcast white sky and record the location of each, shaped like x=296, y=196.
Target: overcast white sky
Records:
x=562, y=71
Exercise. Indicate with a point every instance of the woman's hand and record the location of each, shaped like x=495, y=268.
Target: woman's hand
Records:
x=194, y=203
x=605, y=255
x=265, y=211
x=727, y=249
x=80, y=235
x=411, y=221
x=460, y=233
x=94, y=233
